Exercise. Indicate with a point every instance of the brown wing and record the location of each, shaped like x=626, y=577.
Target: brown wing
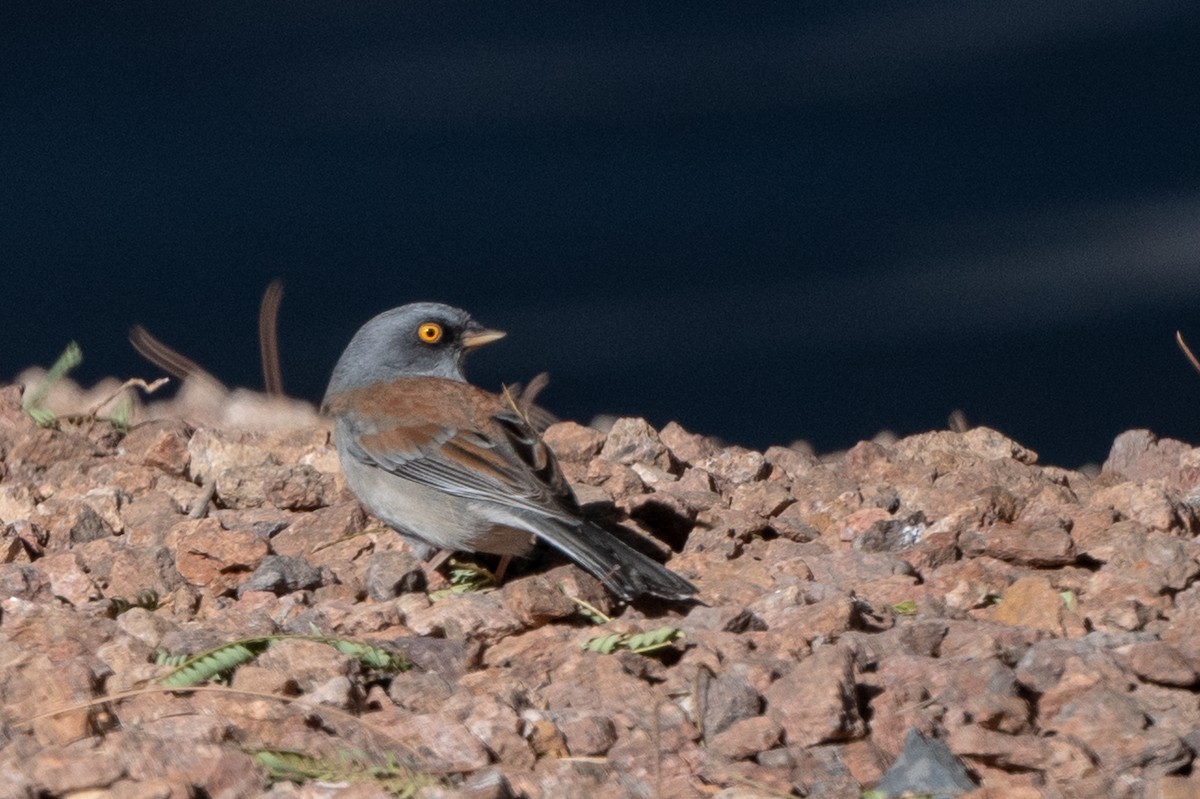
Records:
x=479, y=447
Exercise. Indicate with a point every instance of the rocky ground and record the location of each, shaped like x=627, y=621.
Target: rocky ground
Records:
x=1034, y=628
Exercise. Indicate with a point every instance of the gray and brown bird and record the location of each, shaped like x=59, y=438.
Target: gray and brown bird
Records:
x=453, y=467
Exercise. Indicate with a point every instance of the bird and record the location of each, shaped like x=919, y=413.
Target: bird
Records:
x=454, y=467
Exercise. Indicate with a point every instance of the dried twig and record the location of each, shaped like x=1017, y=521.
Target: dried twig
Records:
x=268, y=338
x=321, y=709
x=133, y=382
x=1187, y=352
x=200, y=506
x=170, y=361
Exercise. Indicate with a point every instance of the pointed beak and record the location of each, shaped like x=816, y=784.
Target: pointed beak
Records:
x=477, y=338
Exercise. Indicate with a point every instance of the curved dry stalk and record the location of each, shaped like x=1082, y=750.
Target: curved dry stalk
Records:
x=169, y=360
x=344, y=715
x=1187, y=352
x=133, y=382
x=268, y=338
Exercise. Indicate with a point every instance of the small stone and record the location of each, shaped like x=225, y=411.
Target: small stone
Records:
x=816, y=700
x=68, y=579
x=62, y=773
x=299, y=488
x=792, y=463
x=761, y=498
x=635, y=441
x=161, y=443
x=1147, y=503
x=393, y=572
x=746, y=738
x=27, y=583
x=311, y=535
x=1031, y=602
x=1020, y=543
x=925, y=766
x=1159, y=662
x=686, y=447
x=208, y=555
x=735, y=465
x=71, y=521
x=728, y=699
x=572, y=442
x=1139, y=455
x=586, y=734
x=535, y=601
x=282, y=574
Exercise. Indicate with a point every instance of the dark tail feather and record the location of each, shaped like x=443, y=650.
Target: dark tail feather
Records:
x=625, y=571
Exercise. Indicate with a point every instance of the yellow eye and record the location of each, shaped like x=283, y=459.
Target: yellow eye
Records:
x=430, y=332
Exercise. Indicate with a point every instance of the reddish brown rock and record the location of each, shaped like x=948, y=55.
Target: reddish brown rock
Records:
x=686, y=447
x=299, y=488
x=1159, y=662
x=534, y=600
x=1148, y=503
x=746, y=738
x=327, y=535
x=573, y=443
x=924, y=584
x=210, y=556
x=816, y=701
x=635, y=441
x=162, y=443
x=1020, y=543
x=733, y=466
x=1031, y=602
x=70, y=521
x=1139, y=455
x=761, y=498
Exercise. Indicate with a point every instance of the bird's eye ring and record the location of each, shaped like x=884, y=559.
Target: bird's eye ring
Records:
x=430, y=332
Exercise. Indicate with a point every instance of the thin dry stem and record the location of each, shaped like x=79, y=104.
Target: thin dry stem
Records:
x=316, y=707
x=170, y=361
x=1187, y=352
x=133, y=382
x=268, y=338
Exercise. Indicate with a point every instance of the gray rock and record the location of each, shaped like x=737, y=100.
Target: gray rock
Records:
x=926, y=766
x=282, y=574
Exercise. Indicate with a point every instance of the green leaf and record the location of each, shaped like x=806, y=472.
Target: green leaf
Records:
x=215, y=662
x=639, y=643
x=31, y=403
x=369, y=655
x=643, y=643
x=222, y=660
x=345, y=766
x=465, y=577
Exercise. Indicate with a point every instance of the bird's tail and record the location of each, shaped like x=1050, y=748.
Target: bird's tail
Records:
x=625, y=571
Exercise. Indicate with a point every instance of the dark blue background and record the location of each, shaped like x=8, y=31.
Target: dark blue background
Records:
x=811, y=220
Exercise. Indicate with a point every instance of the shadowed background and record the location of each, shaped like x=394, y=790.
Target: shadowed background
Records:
x=811, y=220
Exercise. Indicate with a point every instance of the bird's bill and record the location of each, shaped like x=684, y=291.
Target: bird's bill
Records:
x=477, y=338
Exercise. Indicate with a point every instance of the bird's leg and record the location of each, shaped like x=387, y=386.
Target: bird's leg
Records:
x=440, y=557
x=502, y=567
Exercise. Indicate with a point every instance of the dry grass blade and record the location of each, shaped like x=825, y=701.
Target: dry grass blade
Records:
x=31, y=403
x=379, y=731
x=268, y=338
x=169, y=360
x=133, y=382
x=1187, y=352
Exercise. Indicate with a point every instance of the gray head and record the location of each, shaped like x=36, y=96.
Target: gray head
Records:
x=421, y=339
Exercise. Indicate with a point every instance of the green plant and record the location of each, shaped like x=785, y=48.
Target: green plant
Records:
x=220, y=662
x=345, y=766
x=31, y=403
x=640, y=643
